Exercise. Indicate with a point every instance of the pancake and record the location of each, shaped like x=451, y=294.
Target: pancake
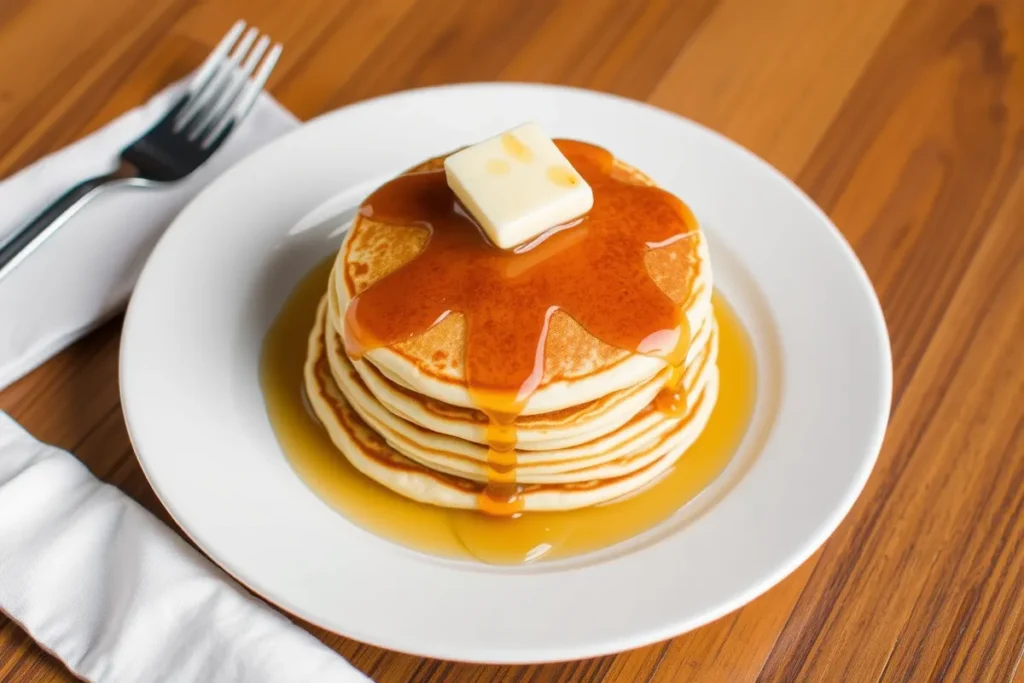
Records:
x=649, y=432
x=387, y=421
x=372, y=455
x=578, y=368
x=559, y=429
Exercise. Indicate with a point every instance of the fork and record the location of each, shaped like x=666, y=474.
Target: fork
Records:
x=219, y=96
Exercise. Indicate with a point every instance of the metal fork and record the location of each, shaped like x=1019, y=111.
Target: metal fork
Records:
x=217, y=99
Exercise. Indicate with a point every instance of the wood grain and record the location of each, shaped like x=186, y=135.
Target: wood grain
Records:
x=904, y=119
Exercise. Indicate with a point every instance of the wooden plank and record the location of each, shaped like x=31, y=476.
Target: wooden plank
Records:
x=903, y=118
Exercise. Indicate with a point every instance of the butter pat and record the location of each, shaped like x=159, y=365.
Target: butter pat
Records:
x=517, y=185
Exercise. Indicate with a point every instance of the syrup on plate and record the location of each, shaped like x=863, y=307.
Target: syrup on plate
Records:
x=469, y=534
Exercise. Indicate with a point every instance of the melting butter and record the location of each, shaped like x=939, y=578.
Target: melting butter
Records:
x=517, y=185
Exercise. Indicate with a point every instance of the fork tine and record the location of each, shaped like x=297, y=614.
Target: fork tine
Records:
x=246, y=99
x=238, y=79
x=209, y=65
x=186, y=100
x=213, y=86
x=187, y=103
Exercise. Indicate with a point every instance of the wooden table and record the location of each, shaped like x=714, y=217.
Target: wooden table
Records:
x=901, y=118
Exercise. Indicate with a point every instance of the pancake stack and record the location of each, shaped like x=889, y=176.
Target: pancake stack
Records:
x=592, y=428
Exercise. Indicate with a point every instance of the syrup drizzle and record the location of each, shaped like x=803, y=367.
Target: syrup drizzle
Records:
x=593, y=269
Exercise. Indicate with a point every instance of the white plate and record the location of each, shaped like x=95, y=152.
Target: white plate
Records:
x=194, y=409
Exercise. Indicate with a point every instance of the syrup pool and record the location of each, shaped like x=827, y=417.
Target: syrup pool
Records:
x=468, y=534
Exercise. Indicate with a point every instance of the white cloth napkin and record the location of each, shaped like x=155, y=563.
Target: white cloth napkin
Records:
x=92, y=576
x=119, y=597
x=82, y=274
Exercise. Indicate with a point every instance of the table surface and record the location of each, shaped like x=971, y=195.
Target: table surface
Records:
x=901, y=118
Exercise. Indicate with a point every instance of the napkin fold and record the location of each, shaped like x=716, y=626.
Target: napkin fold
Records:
x=119, y=597
x=83, y=273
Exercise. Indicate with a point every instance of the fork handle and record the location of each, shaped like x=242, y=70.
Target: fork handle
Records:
x=33, y=233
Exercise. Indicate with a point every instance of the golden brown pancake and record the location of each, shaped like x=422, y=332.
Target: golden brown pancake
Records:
x=578, y=367
x=648, y=431
x=559, y=429
x=371, y=454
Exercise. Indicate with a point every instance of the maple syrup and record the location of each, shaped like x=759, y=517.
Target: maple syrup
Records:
x=468, y=534
x=595, y=271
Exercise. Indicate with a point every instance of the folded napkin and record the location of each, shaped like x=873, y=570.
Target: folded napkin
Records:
x=119, y=597
x=92, y=576
x=84, y=272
